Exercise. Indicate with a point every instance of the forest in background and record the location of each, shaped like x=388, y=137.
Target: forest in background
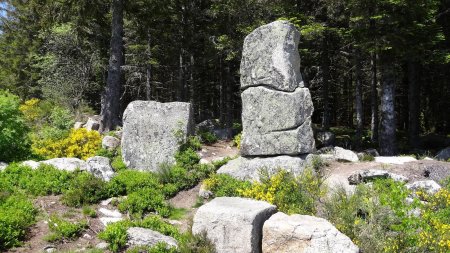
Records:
x=381, y=67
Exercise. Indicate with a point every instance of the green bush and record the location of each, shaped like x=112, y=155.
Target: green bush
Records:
x=17, y=214
x=116, y=234
x=84, y=189
x=45, y=180
x=89, y=211
x=143, y=201
x=187, y=157
x=128, y=181
x=379, y=219
x=225, y=185
x=367, y=158
x=14, y=141
x=208, y=137
x=289, y=193
x=64, y=229
x=237, y=140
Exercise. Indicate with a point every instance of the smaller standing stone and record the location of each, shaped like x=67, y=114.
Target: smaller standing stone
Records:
x=147, y=237
x=152, y=133
x=303, y=233
x=233, y=224
x=110, y=143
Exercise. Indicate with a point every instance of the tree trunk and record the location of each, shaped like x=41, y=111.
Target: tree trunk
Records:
x=414, y=105
x=110, y=114
x=148, y=83
x=358, y=99
x=374, y=100
x=387, y=138
x=326, y=118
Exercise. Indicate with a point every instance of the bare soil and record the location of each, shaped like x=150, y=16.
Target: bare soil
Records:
x=48, y=205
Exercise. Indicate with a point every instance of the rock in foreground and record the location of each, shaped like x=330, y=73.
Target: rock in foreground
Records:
x=147, y=237
x=302, y=233
x=233, y=224
x=152, y=132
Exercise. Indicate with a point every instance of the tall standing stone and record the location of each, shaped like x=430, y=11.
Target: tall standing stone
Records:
x=276, y=109
x=152, y=132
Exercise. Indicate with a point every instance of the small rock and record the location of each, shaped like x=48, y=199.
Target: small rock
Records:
x=436, y=172
x=394, y=159
x=372, y=174
x=87, y=236
x=32, y=164
x=443, y=154
x=204, y=193
x=67, y=164
x=110, y=143
x=373, y=152
x=107, y=220
x=93, y=123
x=325, y=138
x=78, y=125
x=428, y=159
x=100, y=167
x=429, y=186
x=204, y=161
x=110, y=213
x=118, y=134
x=147, y=237
x=50, y=248
x=3, y=166
x=344, y=154
x=102, y=245
x=106, y=202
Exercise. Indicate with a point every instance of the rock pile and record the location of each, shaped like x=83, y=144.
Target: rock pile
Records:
x=276, y=107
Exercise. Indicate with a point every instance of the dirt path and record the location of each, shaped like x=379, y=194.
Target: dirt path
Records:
x=47, y=206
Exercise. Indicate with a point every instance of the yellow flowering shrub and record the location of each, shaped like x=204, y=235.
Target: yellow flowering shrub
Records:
x=289, y=193
x=435, y=234
x=31, y=109
x=80, y=143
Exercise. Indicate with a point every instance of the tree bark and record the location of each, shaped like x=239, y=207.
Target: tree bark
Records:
x=374, y=100
x=413, y=105
x=387, y=138
x=148, y=82
x=110, y=114
x=326, y=118
x=358, y=99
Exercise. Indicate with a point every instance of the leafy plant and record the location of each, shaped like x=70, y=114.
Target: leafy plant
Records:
x=208, y=137
x=84, y=189
x=225, y=185
x=143, y=201
x=64, y=229
x=237, y=140
x=80, y=143
x=116, y=234
x=14, y=141
x=17, y=214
